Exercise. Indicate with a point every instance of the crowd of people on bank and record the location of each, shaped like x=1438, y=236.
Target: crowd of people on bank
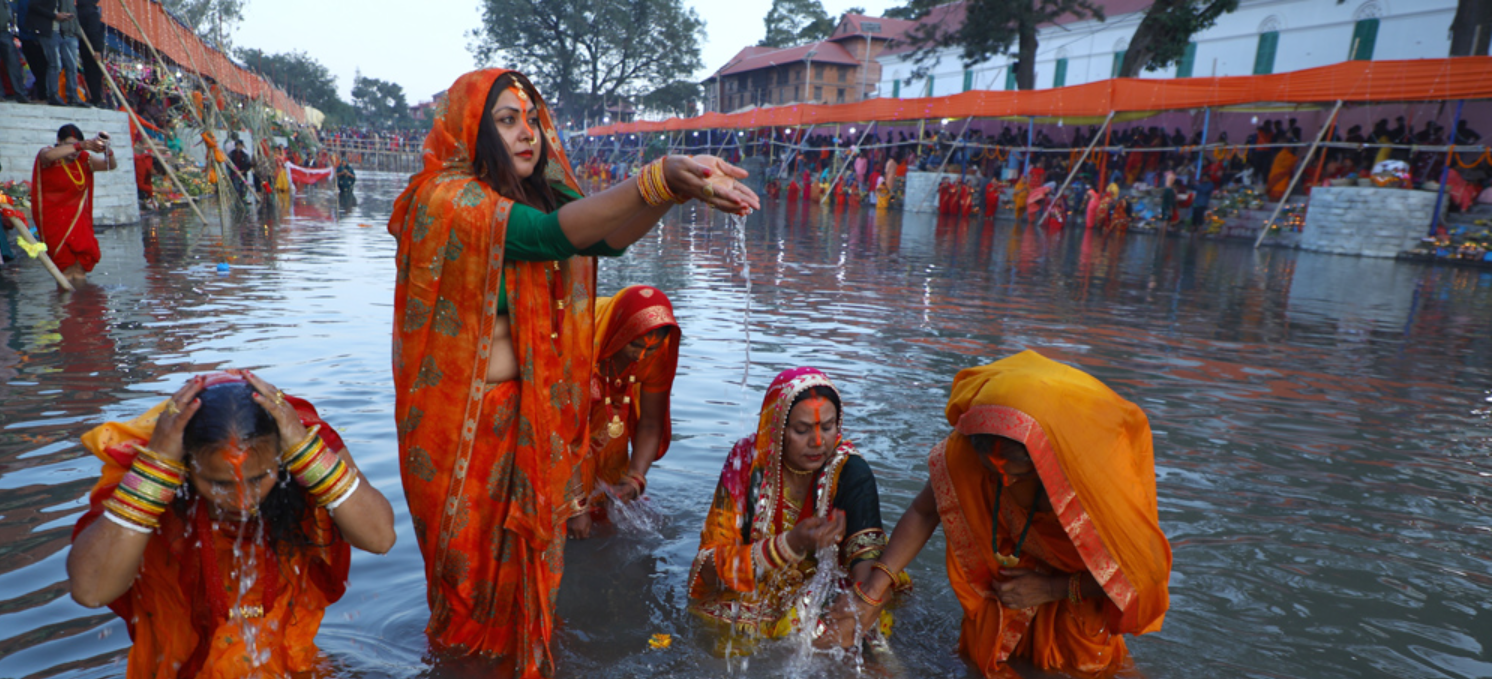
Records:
x=1141, y=175
x=221, y=526
x=55, y=38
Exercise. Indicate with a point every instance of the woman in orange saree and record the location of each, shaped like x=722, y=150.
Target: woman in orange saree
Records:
x=1279, y=174
x=493, y=351
x=62, y=199
x=789, y=489
x=1045, y=490
x=636, y=343
x=215, y=551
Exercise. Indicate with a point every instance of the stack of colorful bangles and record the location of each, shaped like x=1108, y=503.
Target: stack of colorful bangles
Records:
x=145, y=491
x=318, y=469
x=637, y=480
x=773, y=554
x=653, y=187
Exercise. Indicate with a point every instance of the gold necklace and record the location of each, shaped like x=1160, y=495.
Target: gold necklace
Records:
x=82, y=176
x=795, y=471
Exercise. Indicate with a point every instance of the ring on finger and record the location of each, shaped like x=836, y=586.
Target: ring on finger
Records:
x=279, y=398
x=172, y=408
x=707, y=190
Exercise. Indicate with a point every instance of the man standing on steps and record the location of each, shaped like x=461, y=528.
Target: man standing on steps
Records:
x=9, y=59
x=91, y=25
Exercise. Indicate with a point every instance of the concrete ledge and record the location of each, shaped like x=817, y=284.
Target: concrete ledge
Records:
x=1367, y=222
x=25, y=129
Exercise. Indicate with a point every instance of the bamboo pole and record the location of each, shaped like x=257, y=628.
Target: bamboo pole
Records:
x=24, y=233
x=150, y=143
x=849, y=159
x=1077, y=166
x=1298, y=170
x=1435, y=219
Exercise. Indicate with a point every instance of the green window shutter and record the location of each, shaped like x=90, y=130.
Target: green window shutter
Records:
x=1009, y=80
x=1187, y=61
x=967, y=79
x=1117, y=63
x=1060, y=80
x=930, y=84
x=897, y=88
x=1264, y=59
x=1364, y=33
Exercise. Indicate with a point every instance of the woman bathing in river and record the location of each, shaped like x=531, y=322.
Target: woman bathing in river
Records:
x=227, y=482
x=786, y=491
x=494, y=351
x=1046, y=492
x=636, y=342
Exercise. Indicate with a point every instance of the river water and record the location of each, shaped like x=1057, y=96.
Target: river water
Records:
x=1322, y=423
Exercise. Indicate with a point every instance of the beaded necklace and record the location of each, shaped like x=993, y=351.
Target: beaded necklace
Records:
x=82, y=177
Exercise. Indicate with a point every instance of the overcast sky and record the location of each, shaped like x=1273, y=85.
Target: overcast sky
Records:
x=423, y=46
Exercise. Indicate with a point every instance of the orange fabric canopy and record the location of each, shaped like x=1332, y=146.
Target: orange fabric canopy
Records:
x=1349, y=81
x=177, y=43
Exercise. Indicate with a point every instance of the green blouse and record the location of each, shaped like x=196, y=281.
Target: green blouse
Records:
x=536, y=236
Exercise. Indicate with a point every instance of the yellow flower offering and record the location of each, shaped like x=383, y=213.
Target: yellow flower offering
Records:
x=660, y=641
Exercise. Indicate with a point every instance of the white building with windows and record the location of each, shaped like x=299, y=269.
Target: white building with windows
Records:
x=1262, y=36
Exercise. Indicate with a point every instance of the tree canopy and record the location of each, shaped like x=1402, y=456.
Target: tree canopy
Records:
x=584, y=54
x=991, y=28
x=793, y=22
x=380, y=103
x=677, y=98
x=302, y=77
x=212, y=20
x=1166, y=30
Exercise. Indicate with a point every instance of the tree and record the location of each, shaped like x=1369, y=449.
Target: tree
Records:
x=677, y=98
x=211, y=20
x=792, y=22
x=380, y=103
x=906, y=12
x=1472, y=28
x=993, y=27
x=1166, y=30
x=583, y=53
x=301, y=76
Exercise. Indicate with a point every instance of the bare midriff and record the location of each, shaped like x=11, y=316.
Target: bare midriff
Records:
x=502, y=366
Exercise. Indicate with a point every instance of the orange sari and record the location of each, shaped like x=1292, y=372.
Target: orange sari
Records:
x=485, y=466
x=1279, y=174
x=1093, y=452
x=178, y=626
x=619, y=320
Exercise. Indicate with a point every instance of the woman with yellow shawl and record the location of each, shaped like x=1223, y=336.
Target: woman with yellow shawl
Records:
x=637, y=341
x=494, y=351
x=228, y=512
x=1045, y=490
x=786, y=491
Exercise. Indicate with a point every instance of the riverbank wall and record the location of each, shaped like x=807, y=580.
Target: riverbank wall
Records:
x=1367, y=221
x=26, y=128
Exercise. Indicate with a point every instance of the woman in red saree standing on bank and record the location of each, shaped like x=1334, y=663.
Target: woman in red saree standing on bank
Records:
x=1045, y=489
x=62, y=199
x=493, y=351
x=636, y=341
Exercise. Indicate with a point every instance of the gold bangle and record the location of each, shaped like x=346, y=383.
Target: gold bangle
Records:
x=881, y=566
x=174, y=465
x=289, y=451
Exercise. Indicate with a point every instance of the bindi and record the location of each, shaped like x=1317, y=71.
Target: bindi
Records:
x=525, y=107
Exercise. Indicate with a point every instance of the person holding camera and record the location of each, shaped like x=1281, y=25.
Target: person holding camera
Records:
x=62, y=198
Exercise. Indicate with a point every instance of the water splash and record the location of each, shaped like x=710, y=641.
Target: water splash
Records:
x=739, y=223
x=637, y=518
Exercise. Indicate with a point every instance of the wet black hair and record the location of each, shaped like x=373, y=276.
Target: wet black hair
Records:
x=228, y=411
x=491, y=160
x=69, y=130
